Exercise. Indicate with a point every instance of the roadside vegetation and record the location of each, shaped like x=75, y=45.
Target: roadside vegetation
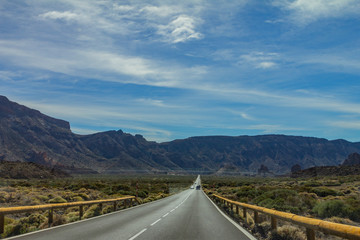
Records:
x=35, y=192
x=335, y=199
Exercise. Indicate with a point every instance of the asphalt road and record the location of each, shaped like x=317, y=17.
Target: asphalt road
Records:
x=186, y=215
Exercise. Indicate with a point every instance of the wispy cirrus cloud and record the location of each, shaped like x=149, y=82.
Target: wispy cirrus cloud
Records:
x=87, y=62
x=346, y=124
x=303, y=12
x=256, y=59
x=260, y=59
x=67, y=15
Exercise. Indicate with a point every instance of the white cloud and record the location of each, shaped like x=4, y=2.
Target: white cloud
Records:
x=153, y=102
x=346, y=124
x=265, y=65
x=181, y=29
x=244, y=115
x=105, y=65
x=67, y=15
x=7, y=75
x=342, y=61
x=260, y=59
x=123, y=8
x=161, y=11
x=306, y=11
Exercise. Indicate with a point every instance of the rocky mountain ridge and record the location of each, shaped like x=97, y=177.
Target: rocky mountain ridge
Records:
x=28, y=135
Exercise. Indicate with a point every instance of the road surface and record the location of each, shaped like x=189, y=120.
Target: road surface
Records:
x=186, y=215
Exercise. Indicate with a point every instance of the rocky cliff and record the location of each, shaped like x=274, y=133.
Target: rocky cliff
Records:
x=28, y=135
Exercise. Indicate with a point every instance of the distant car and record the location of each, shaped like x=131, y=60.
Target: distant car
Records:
x=191, y=187
x=198, y=187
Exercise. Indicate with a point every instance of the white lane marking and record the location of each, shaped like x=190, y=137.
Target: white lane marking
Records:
x=138, y=234
x=155, y=222
x=251, y=237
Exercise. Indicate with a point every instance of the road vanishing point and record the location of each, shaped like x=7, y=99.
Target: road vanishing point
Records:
x=189, y=214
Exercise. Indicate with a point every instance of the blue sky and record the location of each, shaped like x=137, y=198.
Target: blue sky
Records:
x=175, y=69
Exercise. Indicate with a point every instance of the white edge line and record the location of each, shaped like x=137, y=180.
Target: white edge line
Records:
x=251, y=237
x=87, y=219
x=138, y=234
x=165, y=215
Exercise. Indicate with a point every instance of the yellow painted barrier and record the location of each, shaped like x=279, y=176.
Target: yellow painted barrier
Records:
x=51, y=207
x=311, y=224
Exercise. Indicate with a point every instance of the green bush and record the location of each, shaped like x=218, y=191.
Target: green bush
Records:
x=323, y=192
x=249, y=192
x=287, y=232
x=331, y=208
x=93, y=211
x=282, y=200
x=143, y=194
x=57, y=199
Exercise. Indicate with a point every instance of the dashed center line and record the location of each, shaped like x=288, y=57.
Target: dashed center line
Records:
x=139, y=233
x=155, y=222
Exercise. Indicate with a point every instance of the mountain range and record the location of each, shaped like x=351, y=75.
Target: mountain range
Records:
x=28, y=135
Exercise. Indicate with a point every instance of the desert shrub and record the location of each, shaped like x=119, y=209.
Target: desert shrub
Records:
x=332, y=183
x=341, y=221
x=309, y=200
x=143, y=194
x=84, y=196
x=23, y=225
x=281, y=199
x=324, y=192
x=72, y=216
x=249, y=192
x=3, y=196
x=42, y=198
x=58, y=219
x=92, y=211
x=312, y=183
x=330, y=208
x=57, y=199
x=123, y=187
x=108, y=209
x=354, y=203
x=287, y=232
x=77, y=199
x=262, y=229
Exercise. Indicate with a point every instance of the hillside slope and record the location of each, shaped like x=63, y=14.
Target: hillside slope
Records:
x=28, y=135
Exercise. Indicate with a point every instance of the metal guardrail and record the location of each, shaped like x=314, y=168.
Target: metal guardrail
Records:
x=311, y=224
x=51, y=207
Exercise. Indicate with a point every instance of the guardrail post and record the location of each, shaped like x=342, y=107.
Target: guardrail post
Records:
x=81, y=211
x=273, y=223
x=244, y=213
x=256, y=217
x=2, y=223
x=131, y=202
x=310, y=234
x=125, y=203
x=114, y=206
x=101, y=207
x=237, y=209
x=51, y=217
